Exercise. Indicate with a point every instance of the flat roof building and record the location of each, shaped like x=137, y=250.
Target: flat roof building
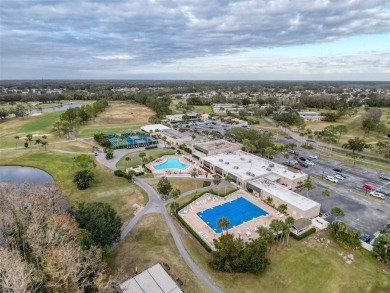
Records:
x=154, y=128
x=214, y=147
x=298, y=206
x=176, y=137
x=179, y=117
x=243, y=167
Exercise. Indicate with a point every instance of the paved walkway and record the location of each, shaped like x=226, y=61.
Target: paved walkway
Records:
x=156, y=205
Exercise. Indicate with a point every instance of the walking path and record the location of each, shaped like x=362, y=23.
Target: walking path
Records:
x=156, y=205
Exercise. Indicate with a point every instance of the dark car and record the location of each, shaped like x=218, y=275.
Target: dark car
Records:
x=302, y=159
x=338, y=170
x=384, y=177
x=366, y=238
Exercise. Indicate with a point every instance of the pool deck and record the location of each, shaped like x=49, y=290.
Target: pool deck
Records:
x=246, y=230
x=176, y=172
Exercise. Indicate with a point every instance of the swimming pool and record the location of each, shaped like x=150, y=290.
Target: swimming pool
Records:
x=238, y=211
x=171, y=163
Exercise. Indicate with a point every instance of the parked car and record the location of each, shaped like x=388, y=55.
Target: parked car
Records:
x=366, y=238
x=377, y=194
x=338, y=177
x=337, y=170
x=310, y=163
x=293, y=153
x=341, y=175
x=368, y=187
x=296, y=167
x=302, y=159
x=384, y=177
x=332, y=179
x=303, y=164
x=384, y=191
x=313, y=157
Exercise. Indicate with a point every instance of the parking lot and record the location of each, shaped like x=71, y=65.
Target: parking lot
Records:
x=362, y=211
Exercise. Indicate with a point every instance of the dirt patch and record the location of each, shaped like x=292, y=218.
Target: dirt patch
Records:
x=123, y=113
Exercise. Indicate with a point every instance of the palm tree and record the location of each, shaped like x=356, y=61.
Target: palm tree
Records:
x=282, y=208
x=44, y=144
x=337, y=212
x=286, y=155
x=289, y=222
x=269, y=200
x=223, y=223
x=17, y=138
x=228, y=179
x=194, y=174
x=292, y=145
x=326, y=192
x=175, y=193
x=217, y=180
x=128, y=159
x=29, y=139
x=308, y=185
x=164, y=139
x=142, y=155
x=38, y=141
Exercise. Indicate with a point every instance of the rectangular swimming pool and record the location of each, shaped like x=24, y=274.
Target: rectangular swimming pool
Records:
x=237, y=211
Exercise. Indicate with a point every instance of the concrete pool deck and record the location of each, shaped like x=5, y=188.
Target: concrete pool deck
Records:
x=246, y=230
x=176, y=172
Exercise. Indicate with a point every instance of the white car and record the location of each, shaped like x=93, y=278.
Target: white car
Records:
x=313, y=157
x=377, y=194
x=310, y=163
x=339, y=177
x=332, y=179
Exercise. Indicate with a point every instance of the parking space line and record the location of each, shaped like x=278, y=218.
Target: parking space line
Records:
x=366, y=196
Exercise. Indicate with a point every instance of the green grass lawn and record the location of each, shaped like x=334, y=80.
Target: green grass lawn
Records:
x=182, y=184
x=203, y=109
x=136, y=160
x=107, y=188
x=148, y=243
x=305, y=266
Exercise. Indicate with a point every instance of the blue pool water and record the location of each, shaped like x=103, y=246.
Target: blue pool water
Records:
x=171, y=163
x=237, y=212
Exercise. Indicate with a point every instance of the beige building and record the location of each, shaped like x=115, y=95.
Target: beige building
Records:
x=298, y=206
x=214, y=147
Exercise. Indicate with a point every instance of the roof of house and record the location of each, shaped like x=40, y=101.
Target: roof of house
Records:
x=153, y=280
x=302, y=223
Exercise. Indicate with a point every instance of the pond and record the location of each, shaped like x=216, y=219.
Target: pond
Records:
x=20, y=174
x=56, y=108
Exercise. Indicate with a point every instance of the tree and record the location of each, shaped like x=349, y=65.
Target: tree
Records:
x=83, y=179
x=291, y=145
x=355, y=145
x=368, y=125
x=109, y=154
x=337, y=212
x=194, y=174
x=128, y=159
x=142, y=156
x=217, y=181
x=164, y=186
x=354, y=156
x=101, y=220
x=381, y=129
x=345, y=236
x=228, y=179
x=308, y=185
x=17, y=138
x=85, y=162
x=326, y=193
x=29, y=139
x=282, y=208
x=382, y=247
x=266, y=235
x=269, y=200
x=223, y=223
x=175, y=193
x=383, y=147
x=44, y=143
x=374, y=114
x=290, y=221
x=164, y=139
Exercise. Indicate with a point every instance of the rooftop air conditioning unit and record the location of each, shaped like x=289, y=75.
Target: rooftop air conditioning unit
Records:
x=250, y=161
x=252, y=174
x=268, y=169
x=221, y=160
x=235, y=167
x=271, y=165
x=227, y=163
x=242, y=159
x=248, y=173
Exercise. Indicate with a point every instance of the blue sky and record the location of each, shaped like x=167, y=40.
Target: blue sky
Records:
x=202, y=39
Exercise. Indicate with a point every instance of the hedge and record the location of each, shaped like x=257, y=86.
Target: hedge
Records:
x=197, y=237
x=304, y=235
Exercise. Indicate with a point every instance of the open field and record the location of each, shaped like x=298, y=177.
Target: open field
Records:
x=305, y=266
x=136, y=160
x=203, y=109
x=107, y=188
x=354, y=125
x=182, y=184
x=39, y=105
x=116, y=118
x=148, y=243
x=36, y=125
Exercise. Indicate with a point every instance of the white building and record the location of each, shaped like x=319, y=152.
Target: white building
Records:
x=154, y=128
x=311, y=116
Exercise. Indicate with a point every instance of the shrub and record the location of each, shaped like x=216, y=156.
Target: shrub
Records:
x=303, y=235
x=119, y=173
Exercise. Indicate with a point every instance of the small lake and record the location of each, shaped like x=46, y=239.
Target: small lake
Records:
x=19, y=174
x=56, y=108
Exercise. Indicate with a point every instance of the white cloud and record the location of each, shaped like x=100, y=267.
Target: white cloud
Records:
x=115, y=57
